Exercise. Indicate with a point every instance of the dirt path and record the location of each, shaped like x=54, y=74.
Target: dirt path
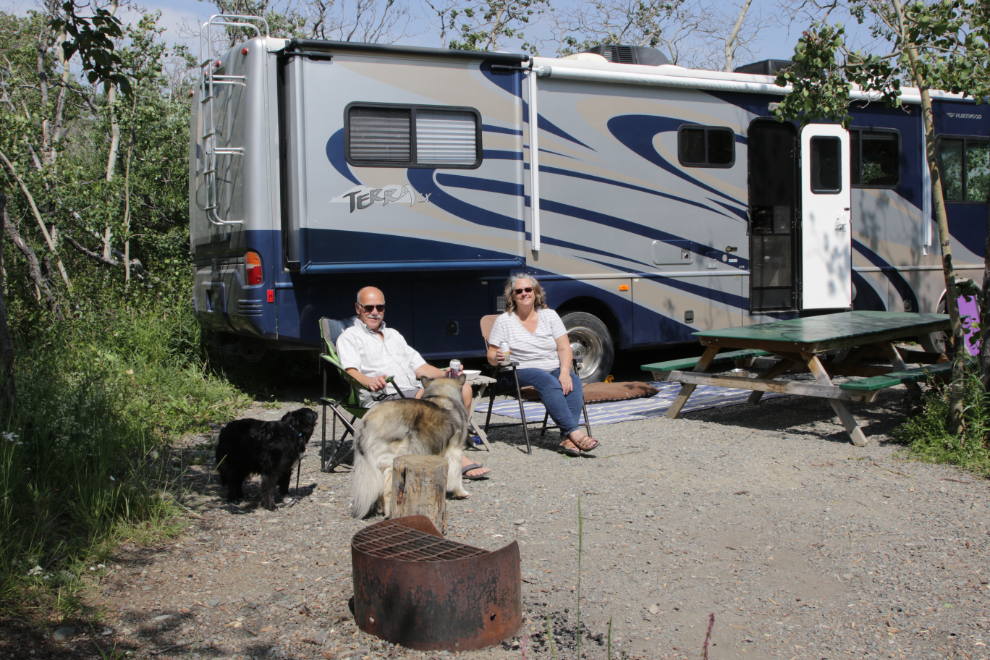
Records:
x=802, y=545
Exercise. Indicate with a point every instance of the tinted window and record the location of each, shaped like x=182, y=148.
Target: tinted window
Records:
x=964, y=168
x=721, y=145
x=691, y=146
x=875, y=158
x=826, y=165
x=706, y=146
x=976, y=170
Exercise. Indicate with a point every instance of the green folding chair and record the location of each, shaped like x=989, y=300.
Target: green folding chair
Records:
x=348, y=407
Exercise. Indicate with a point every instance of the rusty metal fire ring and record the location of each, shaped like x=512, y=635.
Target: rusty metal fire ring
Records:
x=415, y=588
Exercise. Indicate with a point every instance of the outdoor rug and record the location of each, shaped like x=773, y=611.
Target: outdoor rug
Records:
x=704, y=396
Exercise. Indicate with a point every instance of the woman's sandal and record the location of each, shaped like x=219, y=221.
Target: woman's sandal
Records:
x=587, y=443
x=568, y=451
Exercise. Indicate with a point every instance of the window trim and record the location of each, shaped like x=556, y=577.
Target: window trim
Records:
x=706, y=128
x=964, y=138
x=811, y=165
x=859, y=157
x=413, y=108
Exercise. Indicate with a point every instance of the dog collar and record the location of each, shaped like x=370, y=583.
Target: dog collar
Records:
x=293, y=428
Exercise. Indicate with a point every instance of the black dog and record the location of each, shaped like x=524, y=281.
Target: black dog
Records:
x=271, y=449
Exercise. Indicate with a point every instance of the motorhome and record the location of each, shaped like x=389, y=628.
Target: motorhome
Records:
x=650, y=200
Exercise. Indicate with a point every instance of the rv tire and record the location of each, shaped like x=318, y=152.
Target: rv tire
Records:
x=935, y=342
x=592, y=342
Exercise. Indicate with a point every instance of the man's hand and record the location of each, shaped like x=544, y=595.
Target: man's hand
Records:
x=376, y=383
x=565, y=382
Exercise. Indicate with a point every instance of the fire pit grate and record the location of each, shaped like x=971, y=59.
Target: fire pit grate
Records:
x=402, y=543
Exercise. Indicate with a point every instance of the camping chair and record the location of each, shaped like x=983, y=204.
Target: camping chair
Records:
x=519, y=393
x=346, y=408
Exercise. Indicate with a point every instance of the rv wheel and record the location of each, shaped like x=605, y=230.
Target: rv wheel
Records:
x=935, y=342
x=591, y=341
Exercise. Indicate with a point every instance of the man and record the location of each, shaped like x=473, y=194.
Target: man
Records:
x=369, y=352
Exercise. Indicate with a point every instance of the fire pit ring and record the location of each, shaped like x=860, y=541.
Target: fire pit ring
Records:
x=415, y=588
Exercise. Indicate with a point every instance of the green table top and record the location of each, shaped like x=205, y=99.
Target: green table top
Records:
x=829, y=330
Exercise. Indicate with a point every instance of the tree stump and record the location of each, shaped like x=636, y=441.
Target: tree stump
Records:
x=419, y=487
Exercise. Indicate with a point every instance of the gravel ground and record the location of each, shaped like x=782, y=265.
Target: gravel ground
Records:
x=801, y=545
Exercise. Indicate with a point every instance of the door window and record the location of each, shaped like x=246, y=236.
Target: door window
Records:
x=826, y=165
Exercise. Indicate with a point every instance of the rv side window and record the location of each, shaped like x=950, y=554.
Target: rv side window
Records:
x=875, y=161
x=412, y=136
x=706, y=146
x=963, y=164
x=826, y=165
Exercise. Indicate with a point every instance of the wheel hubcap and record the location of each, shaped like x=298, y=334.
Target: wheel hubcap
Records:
x=586, y=345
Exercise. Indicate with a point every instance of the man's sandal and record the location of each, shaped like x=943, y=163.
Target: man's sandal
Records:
x=568, y=451
x=474, y=466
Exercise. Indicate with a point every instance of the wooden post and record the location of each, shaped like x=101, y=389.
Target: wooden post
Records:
x=419, y=487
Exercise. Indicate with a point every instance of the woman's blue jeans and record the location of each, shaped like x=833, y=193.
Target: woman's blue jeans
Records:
x=565, y=411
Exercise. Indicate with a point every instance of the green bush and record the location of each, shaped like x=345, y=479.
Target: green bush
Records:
x=928, y=436
x=82, y=458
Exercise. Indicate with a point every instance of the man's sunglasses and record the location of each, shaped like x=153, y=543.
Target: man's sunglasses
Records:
x=368, y=309
x=528, y=289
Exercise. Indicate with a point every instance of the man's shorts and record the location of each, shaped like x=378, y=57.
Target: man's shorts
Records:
x=369, y=399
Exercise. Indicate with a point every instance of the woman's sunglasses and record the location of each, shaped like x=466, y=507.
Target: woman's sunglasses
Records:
x=528, y=289
x=368, y=309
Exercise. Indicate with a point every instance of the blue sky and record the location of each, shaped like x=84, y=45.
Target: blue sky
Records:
x=181, y=16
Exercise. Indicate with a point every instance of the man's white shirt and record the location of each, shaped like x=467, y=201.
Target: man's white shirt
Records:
x=361, y=348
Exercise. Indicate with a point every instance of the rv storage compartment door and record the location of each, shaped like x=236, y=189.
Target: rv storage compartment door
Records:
x=385, y=168
x=826, y=246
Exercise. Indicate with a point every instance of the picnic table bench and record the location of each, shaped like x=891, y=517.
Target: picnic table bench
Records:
x=661, y=370
x=797, y=345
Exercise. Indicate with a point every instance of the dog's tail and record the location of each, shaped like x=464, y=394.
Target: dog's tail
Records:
x=367, y=484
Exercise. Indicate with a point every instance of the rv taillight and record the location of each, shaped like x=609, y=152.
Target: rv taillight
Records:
x=253, y=262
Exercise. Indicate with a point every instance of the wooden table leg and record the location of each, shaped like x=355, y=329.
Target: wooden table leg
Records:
x=846, y=417
x=890, y=351
x=687, y=388
x=474, y=404
x=772, y=372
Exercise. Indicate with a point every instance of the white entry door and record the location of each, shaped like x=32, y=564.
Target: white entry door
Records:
x=826, y=246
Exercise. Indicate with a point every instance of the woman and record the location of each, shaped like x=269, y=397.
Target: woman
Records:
x=538, y=343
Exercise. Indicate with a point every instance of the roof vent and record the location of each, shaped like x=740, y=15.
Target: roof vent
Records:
x=622, y=54
x=764, y=67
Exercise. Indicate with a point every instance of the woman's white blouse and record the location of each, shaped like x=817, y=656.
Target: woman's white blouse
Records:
x=532, y=350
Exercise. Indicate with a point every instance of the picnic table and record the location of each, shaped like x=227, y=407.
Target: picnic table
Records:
x=798, y=344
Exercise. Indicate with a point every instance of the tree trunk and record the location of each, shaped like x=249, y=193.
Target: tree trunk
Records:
x=730, y=42
x=8, y=391
x=985, y=309
x=957, y=387
x=114, y=144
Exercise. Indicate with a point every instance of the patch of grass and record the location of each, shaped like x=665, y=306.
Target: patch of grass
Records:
x=83, y=455
x=928, y=437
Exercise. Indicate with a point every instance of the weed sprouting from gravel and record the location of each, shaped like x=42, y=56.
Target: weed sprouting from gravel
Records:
x=708, y=636
x=553, y=650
